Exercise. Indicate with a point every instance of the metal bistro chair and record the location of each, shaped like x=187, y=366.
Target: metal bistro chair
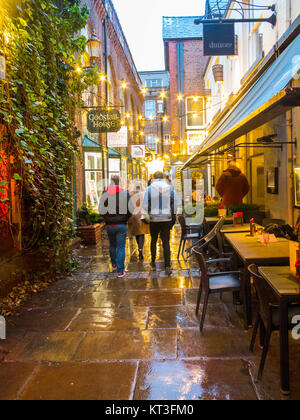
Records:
x=212, y=241
x=268, y=316
x=187, y=233
x=212, y=283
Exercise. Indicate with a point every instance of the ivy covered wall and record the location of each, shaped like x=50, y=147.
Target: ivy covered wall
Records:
x=41, y=43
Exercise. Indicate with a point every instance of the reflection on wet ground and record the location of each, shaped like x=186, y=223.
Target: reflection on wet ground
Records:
x=137, y=338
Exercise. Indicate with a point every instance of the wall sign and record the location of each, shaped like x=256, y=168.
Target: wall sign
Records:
x=119, y=139
x=194, y=141
x=2, y=68
x=101, y=121
x=138, y=151
x=219, y=39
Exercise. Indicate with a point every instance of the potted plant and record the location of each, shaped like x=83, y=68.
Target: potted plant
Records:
x=89, y=225
x=250, y=211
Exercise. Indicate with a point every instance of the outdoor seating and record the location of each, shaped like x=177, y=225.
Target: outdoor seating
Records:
x=212, y=283
x=268, y=316
x=187, y=233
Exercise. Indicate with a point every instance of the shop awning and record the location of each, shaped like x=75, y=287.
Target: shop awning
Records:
x=268, y=98
x=87, y=143
x=113, y=153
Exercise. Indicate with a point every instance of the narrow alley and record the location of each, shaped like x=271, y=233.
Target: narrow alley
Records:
x=92, y=336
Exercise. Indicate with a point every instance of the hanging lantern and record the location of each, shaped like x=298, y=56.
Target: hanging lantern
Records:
x=218, y=71
x=2, y=68
x=94, y=47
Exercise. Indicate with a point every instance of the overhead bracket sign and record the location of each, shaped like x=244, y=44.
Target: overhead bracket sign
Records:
x=103, y=121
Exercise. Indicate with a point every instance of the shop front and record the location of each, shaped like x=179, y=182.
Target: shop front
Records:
x=259, y=132
x=95, y=171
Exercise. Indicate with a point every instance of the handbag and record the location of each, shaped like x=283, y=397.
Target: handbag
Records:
x=145, y=218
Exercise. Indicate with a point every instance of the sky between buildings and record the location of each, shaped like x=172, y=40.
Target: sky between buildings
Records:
x=141, y=21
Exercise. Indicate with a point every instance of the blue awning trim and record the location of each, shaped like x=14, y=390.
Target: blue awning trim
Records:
x=90, y=144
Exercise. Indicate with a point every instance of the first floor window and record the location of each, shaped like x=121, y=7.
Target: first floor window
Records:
x=150, y=109
x=195, y=112
x=151, y=142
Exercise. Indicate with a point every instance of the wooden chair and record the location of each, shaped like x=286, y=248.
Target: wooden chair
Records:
x=268, y=316
x=211, y=283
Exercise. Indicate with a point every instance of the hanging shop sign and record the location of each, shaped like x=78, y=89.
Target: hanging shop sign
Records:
x=102, y=121
x=138, y=151
x=119, y=139
x=219, y=39
x=2, y=68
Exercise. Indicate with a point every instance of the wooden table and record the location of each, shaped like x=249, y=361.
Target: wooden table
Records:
x=238, y=228
x=250, y=251
x=287, y=289
x=214, y=220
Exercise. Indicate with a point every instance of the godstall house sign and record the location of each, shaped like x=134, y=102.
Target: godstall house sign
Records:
x=102, y=121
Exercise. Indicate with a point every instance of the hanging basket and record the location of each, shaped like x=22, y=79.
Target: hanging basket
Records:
x=218, y=71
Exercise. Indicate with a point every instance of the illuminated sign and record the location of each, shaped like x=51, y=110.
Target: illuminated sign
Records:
x=194, y=141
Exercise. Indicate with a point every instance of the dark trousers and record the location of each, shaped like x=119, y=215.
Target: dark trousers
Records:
x=140, y=239
x=163, y=229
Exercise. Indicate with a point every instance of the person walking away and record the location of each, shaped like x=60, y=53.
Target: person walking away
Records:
x=116, y=208
x=232, y=186
x=161, y=203
x=135, y=225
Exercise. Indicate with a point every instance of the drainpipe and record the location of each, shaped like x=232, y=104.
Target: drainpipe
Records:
x=106, y=85
x=180, y=77
x=105, y=52
x=290, y=124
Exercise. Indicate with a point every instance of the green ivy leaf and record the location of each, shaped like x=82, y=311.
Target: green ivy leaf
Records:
x=17, y=177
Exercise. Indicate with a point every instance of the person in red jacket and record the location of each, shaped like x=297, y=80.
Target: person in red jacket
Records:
x=232, y=186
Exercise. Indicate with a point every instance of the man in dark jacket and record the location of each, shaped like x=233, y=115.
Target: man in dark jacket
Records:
x=116, y=208
x=232, y=186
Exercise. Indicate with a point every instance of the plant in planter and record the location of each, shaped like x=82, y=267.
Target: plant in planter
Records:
x=251, y=211
x=211, y=210
x=89, y=225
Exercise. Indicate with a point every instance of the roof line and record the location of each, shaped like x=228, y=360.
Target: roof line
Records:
x=192, y=16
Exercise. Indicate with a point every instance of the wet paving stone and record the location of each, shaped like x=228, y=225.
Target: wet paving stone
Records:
x=104, y=338
x=48, y=299
x=52, y=347
x=213, y=343
x=152, y=298
x=193, y=380
x=110, y=319
x=68, y=286
x=95, y=381
x=184, y=317
x=107, y=299
x=128, y=345
x=129, y=284
x=13, y=377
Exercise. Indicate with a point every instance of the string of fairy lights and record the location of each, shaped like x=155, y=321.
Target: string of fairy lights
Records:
x=133, y=120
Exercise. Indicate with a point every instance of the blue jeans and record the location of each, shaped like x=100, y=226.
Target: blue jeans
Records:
x=117, y=240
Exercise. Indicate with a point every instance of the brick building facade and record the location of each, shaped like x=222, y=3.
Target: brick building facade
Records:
x=119, y=88
x=157, y=130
